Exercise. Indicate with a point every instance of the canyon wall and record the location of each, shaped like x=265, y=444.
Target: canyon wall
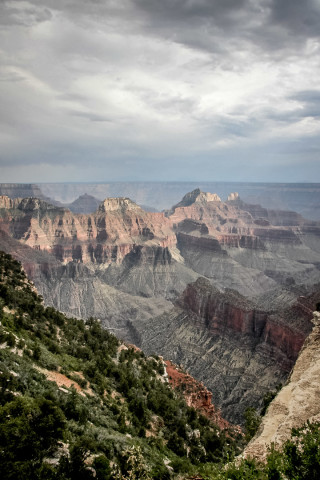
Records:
x=237, y=350
x=239, y=330
x=296, y=403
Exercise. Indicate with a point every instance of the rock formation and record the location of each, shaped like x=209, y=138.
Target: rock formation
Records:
x=245, y=247
x=237, y=350
x=296, y=403
x=106, y=236
x=195, y=394
x=239, y=330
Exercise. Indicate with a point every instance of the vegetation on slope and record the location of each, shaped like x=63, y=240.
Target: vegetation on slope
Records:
x=119, y=419
x=109, y=413
x=298, y=459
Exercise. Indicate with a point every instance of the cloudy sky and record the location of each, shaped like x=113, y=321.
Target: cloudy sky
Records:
x=101, y=90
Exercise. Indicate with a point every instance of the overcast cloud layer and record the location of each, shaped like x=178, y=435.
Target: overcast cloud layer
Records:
x=100, y=90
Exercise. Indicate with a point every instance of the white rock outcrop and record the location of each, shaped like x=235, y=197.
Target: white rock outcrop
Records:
x=296, y=403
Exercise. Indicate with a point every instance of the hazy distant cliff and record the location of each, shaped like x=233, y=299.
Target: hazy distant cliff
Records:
x=299, y=197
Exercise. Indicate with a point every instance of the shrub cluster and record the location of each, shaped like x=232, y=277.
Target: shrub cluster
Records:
x=124, y=406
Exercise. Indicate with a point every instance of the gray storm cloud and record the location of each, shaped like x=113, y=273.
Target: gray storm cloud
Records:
x=150, y=90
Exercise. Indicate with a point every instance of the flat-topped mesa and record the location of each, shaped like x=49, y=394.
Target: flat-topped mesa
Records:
x=119, y=203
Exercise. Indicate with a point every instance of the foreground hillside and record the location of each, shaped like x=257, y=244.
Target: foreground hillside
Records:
x=78, y=404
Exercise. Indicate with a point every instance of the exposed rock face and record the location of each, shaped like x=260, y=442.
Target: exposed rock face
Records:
x=6, y=202
x=104, y=237
x=195, y=394
x=245, y=247
x=296, y=403
x=197, y=196
x=233, y=244
x=114, y=204
x=302, y=198
x=235, y=349
x=110, y=264
x=127, y=267
x=233, y=197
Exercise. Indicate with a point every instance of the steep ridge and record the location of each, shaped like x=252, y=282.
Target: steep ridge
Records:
x=195, y=394
x=245, y=247
x=296, y=403
x=237, y=350
x=234, y=247
x=78, y=290
x=116, y=264
x=75, y=402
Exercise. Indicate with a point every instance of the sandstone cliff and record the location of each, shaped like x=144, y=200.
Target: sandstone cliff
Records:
x=233, y=244
x=237, y=350
x=296, y=403
x=245, y=247
x=103, y=237
x=195, y=394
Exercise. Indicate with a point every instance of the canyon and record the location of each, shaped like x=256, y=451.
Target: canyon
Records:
x=225, y=288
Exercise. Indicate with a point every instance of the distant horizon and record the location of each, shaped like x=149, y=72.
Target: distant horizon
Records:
x=66, y=182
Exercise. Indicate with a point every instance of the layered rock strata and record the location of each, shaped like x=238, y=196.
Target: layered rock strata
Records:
x=297, y=402
x=104, y=237
x=245, y=247
x=195, y=394
x=237, y=350
x=127, y=267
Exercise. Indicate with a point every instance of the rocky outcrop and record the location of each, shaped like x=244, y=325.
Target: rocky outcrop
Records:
x=223, y=311
x=6, y=202
x=104, y=237
x=195, y=394
x=296, y=403
x=117, y=264
x=245, y=247
x=233, y=247
x=302, y=198
x=237, y=350
x=233, y=197
x=197, y=196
